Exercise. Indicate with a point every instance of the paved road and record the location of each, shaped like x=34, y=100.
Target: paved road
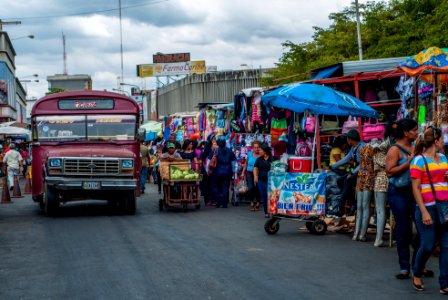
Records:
x=88, y=253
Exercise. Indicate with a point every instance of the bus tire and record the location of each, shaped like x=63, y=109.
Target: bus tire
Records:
x=51, y=201
x=130, y=203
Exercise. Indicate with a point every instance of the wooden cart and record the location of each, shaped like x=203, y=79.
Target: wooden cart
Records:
x=179, y=192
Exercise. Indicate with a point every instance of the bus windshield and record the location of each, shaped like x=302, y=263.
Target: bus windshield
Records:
x=85, y=128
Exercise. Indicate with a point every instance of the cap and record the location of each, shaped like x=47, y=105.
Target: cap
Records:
x=170, y=145
x=353, y=134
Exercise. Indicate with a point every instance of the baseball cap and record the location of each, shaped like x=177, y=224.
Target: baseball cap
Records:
x=353, y=134
x=170, y=145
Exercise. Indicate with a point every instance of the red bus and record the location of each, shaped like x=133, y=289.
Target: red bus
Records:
x=85, y=146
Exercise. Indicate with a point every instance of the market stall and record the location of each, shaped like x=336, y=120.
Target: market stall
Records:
x=301, y=196
x=152, y=128
x=183, y=124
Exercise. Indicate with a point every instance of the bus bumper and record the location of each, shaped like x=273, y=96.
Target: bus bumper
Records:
x=105, y=184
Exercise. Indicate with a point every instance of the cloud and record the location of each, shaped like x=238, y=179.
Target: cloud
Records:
x=222, y=32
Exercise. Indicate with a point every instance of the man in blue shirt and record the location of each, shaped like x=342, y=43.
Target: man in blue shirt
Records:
x=348, y=193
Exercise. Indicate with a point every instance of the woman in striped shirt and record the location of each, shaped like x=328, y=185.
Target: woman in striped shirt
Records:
x=427, y=158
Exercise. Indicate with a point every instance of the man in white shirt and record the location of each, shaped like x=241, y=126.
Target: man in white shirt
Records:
x=14, y=162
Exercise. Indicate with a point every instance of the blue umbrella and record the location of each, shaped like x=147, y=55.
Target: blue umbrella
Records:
x=318, y=100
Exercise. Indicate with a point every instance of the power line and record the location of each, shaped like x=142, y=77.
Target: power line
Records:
x=88, y=12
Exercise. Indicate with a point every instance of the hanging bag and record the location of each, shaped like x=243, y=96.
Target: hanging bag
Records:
x=373, y=131
x=310, y=124
x=404, y=179
x=351, y=123
x=442, y=206
x=329, y=126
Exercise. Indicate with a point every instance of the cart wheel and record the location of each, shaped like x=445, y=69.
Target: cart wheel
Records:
x=309, y=226
x=319, y=227
x=185, y=207
x=160, y=204
x=272, y=226
x=198, y=206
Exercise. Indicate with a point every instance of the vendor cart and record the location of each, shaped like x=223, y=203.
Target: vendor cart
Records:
x=299, y=197
x=180, y=190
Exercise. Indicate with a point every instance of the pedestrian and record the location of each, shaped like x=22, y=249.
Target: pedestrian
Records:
x=205, y=185
x=144, y=156
x=222, y=173
x=429, y=170
x=151, y=169
x=248, y=175
x=189, y=153
x=173, y=141
x=261, y=169
x=337, y=153
x=171, y=154
x=401, y=199
x=14, y=162
x=157, y=168
x=353, y=157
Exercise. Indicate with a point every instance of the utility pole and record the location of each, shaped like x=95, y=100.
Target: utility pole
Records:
x=121, y=40
x=64, y=55
x=358, y=27
x=8, y=23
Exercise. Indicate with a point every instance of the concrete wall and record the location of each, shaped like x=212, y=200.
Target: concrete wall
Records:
x=183, y=95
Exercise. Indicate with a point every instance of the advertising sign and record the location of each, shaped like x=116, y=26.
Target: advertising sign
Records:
x=144, y=71
x=198, y=67
x=161, y=58
x=295, y=194
x=181, y=68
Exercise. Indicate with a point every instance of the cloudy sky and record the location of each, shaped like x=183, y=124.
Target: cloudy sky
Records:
x=226, y=33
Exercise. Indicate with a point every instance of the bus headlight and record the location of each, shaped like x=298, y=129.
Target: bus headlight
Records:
x=55, y=162
x=127, y=164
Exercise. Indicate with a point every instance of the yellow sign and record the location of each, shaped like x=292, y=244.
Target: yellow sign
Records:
x=145, y=70
x=198, y=67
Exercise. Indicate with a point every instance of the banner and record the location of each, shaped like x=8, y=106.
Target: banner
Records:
x=180, y=68
x=144, y=70
x=295, y=194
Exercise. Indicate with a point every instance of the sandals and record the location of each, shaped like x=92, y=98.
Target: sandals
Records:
x=444, y=291
x=418, y=287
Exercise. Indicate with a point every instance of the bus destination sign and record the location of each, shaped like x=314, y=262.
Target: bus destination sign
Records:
x=86, y=104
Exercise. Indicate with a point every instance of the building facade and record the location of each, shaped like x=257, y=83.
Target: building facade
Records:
x=79, y=82
x=12, y=93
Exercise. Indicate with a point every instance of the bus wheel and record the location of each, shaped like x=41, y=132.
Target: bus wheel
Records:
x=51, y=201
x=130, y=203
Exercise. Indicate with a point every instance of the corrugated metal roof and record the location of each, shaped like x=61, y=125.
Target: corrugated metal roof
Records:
x=371, y=65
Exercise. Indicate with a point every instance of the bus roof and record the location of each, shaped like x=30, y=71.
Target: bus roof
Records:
x=48, y=105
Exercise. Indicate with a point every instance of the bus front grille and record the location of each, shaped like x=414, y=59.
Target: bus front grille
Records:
x=95, y=167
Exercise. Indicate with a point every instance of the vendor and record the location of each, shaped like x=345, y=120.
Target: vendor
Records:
x=171, y=153
x=337, y=152
x=353, y=156
x=173, y=141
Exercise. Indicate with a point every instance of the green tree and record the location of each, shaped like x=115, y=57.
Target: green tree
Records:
x=54, y=91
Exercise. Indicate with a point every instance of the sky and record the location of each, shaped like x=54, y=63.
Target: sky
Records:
x=229, y=34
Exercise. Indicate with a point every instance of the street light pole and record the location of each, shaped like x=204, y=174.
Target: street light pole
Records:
x=358, y=28
x=121, y=39
x=31, y=36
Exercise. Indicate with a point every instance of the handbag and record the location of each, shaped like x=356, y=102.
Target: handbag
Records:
x=310, y=124
x=350, y=124
x=442, y=206
x=404, y=179
x=213, y=161
x=373, y=131
x=329, y=126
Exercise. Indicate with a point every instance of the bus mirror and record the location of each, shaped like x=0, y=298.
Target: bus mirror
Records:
x=141, y=134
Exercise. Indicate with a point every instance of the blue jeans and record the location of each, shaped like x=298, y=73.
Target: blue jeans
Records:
x=402, y=204
x=429, y=236
x=220, y=188
x=143, y=178
x=263, y=188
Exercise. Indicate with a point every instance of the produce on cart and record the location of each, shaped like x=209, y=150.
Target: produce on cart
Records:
x=180, y=185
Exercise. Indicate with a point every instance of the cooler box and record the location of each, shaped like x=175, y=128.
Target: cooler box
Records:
x=298, y=164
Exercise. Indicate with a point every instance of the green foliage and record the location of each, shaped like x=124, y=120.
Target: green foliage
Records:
x=54, y=91
x=388, y=29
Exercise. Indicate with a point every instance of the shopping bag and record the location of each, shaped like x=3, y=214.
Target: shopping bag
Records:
x=373, y=131
x=242, y=187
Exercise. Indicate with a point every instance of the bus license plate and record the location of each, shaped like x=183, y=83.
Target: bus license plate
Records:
x=91, y=185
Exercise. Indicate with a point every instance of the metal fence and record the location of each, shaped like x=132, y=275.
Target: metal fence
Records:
x=185, y=94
